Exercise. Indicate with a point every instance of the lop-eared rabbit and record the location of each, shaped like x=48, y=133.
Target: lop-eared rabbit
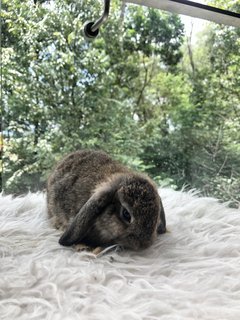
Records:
x=99, y=202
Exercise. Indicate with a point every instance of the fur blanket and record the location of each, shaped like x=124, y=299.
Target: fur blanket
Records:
x=192, y=272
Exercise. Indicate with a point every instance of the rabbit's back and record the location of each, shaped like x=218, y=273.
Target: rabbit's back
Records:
x=74, y=179
x=87, y=166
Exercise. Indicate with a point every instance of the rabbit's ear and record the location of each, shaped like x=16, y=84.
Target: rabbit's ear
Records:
x=87, y=214
x=162, y=226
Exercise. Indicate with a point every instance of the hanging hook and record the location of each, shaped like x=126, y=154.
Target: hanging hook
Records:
x=91, y=29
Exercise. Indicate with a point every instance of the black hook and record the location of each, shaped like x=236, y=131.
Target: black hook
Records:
x=91, y=29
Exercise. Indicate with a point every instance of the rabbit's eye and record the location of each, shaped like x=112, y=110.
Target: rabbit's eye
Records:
x=125, y=215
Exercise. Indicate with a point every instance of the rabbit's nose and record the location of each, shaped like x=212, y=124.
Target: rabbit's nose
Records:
x=146, y=241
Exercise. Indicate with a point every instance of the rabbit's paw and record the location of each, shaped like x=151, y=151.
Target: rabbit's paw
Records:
x=83, y=247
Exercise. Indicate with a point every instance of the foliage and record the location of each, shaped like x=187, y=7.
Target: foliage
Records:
x=133, y=92
x=62, y=93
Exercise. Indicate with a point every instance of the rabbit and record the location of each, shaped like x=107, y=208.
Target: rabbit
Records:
x=99, y=202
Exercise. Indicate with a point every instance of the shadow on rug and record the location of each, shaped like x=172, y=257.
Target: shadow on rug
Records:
x=192, y=272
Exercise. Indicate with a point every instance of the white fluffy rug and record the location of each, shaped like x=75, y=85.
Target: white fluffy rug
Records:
x=192, y=272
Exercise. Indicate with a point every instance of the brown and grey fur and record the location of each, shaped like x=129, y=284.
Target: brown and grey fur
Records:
x=86, y=193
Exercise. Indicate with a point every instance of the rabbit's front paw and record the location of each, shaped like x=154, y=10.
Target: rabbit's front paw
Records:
x=83, y=247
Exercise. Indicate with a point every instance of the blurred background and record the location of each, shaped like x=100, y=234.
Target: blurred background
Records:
x=157, y=91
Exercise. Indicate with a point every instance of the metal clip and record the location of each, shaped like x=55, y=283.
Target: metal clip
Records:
x=91, y=29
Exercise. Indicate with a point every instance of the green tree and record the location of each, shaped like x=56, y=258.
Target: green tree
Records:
x=213, y=136
x=63, y=93
x=135, y=92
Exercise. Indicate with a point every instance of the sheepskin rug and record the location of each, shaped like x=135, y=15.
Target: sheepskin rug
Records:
x=192, y=272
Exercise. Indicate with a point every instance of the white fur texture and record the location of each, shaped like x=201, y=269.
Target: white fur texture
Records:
x=192, y=272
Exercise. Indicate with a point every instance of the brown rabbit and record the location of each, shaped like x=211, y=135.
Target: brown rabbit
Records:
x=99, y=202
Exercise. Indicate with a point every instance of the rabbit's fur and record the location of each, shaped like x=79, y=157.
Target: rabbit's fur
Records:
x=99, y=202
